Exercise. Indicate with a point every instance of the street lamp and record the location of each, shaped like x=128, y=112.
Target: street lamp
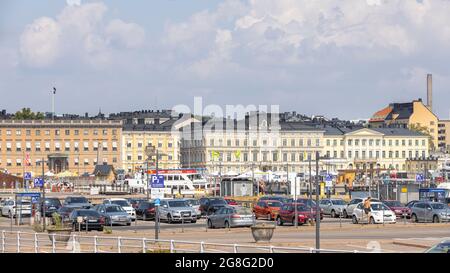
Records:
x=42, y=162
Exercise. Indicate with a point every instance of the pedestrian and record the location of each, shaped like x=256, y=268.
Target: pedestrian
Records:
x=367, y=208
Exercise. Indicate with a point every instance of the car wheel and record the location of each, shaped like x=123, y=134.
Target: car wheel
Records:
x=333, y=214
x=345, y=214
x=354, y=219
x=414, y=218
x=194, y=221
x=371, y=220
x=128, y=224
x=227, y=225
x=279, y=221
x=436, y=219
x=210, y=224
x=169, y=219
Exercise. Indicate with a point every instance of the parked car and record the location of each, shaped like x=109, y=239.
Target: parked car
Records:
x=64, y=212
x=134, y=202
x=146, y=210
x=268, y=209
x=51, y=205
x=23, y=208
x=410, y=204
x=92, y=220
x=230, y=201
x=400, y=210
x=231, y=216
x=308, y=202
x=195, y=203
x=209, y=205
x=348, y=210
x=287, y=214
x=442, y=247
x=332, y=207
x=380, y=213
x=282, y=198
x=77, y=201
x=114, y=214
x=426, y=211
x=177, y=210
x=124, y=204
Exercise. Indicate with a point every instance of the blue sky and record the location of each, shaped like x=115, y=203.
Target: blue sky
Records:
x=343, y=59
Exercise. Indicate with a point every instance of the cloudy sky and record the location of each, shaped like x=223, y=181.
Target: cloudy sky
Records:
x=342, y=59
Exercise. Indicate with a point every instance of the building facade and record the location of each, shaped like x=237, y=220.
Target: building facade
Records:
x=75, y=145
x=373, y=148
x=414, y=115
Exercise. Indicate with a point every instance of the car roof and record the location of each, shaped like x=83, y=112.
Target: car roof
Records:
x=110, y=205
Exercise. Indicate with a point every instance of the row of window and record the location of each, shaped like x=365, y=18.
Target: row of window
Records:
x=57, y=146
x=377, y=154
x=141, y=144
x=19, y=162
x=376, y=142
x=58, y=132
x=141, y=157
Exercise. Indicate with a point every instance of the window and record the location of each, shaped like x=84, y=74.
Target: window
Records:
x=293, y=157
x=28, y=132
x=47, y=146
x=237, y=142
x=245, y=157
x=95, y=132
x=18, y=132
x=105, y=132
x=67, y=132
x=76, y=132
x=47, y=132
x=364, y=141
x=317, y=142
x=275, y=156
x=300, y=142
x=86, y=146
x=75, y=145
x=228, y=157
x=139, y=157
x=18, y=147
x=86, y=132
x=114, y=146
x=349, y=154
x=228, y=143
x=67, y=146
x=114, y=160
x=37, y=146
x=255, y=156
x=356, y=142
x=57, y=132
x=114, y=132
x=139, y=144
x=169, y=145
x=8, y=132
x=349, y=142
x=57, y=146
x=160, y=144
x=28, y=146
x=128, y=157
x=284, y=142
x=86, y=162
x=38, y=132
x=105, y=146
x=292, y=142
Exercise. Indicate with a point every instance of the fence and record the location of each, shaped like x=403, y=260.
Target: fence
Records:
x=23, y=242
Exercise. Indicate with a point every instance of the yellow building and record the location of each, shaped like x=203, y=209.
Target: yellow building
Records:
x=414, y=115
x=74, y=145
x=136, y=137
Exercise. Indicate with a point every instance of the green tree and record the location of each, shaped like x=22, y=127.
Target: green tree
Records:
x=424, y=130
x=26, y=113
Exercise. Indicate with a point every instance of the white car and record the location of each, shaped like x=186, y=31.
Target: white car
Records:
x=380, y=213
x=9, y=208
x=124, y=204
x=347, y=211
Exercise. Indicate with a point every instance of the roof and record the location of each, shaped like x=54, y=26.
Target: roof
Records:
x=163, y=127
x=103, y=170
x=397, y=132
x=381, y=115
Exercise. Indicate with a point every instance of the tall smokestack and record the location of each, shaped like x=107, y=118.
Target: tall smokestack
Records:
x=430, y=92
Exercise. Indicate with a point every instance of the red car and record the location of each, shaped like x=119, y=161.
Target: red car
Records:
x=399, y=209
x=230, y=201
x=287, y=214
x=268, y=209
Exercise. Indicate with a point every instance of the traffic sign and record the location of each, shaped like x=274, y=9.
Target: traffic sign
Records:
x=35, y=199
x=329, y=181
x=157, y=193
x=38, y=182
x=27, y=176
x=419, y=177
x=157, y=202
x=157, y=181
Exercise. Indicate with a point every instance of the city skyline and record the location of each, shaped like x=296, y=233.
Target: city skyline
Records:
x=118, y=57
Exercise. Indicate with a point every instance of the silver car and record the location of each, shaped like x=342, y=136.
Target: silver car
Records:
x=348, y=210
x=176, y=210
x=231, y=217
x=430, y=212
x=195, y=203
x=114, y=214
x=333, y=207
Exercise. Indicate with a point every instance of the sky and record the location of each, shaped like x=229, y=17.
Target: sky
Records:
x=344, y=59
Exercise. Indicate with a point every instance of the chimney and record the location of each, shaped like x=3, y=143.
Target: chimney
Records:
x=430, y=92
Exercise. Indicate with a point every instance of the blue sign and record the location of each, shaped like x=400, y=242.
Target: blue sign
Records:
x=29, y=194
x=157, y=181
x=27, y=176
x=419, y=177
x=328, y=177
x=38, y=182
x=157, y=202
x=35, y=199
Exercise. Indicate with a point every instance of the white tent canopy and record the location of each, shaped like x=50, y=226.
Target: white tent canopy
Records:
x=49, y=173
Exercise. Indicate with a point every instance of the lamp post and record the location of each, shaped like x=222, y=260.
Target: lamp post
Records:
x=43, y=195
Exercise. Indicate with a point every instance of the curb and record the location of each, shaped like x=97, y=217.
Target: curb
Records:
x=411, y=245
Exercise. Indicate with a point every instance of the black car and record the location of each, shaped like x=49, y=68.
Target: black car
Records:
x=208, y=205
x=146, y=210
x=91, y=220
x=77, y=201
x=65, y=211
x=51, y=206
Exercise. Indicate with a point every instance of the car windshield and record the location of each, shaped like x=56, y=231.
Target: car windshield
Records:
x=218, y=202
x=175, y=204
x=52, y=202
x=243, y=211
x=393, y=204
x=377, y=207
x=230, y=201
x=338, y=202
x=114, y=209
x=87, y=213
x=438, y=206
x=193, y=202
x=121, y=203
x=440, y=248
x=306, y=202
x=78, y=200
x=274, y=204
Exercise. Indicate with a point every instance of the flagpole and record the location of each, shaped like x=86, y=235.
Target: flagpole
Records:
x=53, y=103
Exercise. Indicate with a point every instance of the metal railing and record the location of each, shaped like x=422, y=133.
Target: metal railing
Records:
x=25, y=242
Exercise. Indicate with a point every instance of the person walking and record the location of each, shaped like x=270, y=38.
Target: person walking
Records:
x=367, y=208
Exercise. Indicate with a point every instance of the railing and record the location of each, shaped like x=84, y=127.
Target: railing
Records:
x=24, y=242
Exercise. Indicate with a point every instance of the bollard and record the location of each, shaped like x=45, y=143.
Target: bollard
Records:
x=18, y=241
x=171, y=246
x=340, y=219
x=53, y=243
x=144, y=245
x=119, y=245
x=95, y=244
x=36, y=246
x=3, y=241
x=182, y=224
x=235, y=248
x=74, y=243
x=202, y=247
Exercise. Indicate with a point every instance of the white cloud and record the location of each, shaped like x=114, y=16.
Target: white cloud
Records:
x=78, y=32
